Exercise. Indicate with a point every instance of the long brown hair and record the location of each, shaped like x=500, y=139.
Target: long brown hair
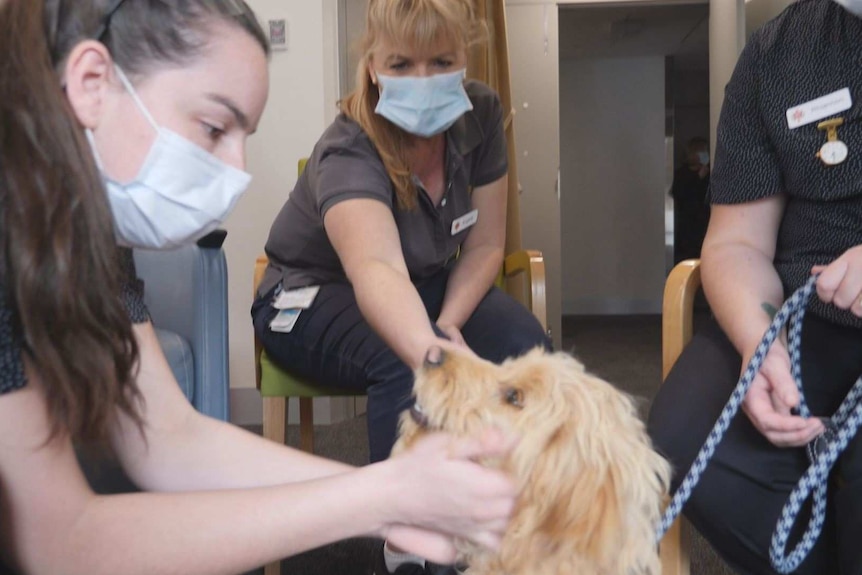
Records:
x=419, y=23
x=59, y=266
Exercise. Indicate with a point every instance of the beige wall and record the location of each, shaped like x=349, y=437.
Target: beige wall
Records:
x=301, y=103
x=540, y=138
x=534, y=62
x=353, y=15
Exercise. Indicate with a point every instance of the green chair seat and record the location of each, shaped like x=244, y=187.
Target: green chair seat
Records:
x=275, y=382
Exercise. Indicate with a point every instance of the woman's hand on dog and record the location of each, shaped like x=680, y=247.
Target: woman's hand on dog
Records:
x=431, y=545
x=440, y=492
x=771, y=400
x=453, y=333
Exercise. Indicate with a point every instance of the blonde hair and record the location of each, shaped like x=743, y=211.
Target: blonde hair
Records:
x=418, y=23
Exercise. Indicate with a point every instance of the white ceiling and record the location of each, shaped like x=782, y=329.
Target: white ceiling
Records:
x=681, y=31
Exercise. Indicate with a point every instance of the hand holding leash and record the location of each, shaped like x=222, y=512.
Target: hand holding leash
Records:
x=841, y=428
x=840, y=283
x=772, y=403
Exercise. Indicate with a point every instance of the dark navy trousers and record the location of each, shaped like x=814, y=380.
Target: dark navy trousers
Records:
x=331, y=343
x=739, y=499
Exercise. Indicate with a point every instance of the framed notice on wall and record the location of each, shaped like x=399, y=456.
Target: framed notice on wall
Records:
x=277, y=29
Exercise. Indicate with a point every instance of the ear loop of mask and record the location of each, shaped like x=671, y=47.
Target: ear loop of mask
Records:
x=124, y=80
x=134, y=94
x=92, y=140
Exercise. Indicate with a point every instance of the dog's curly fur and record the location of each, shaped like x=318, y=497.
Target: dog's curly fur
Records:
x=590, y=485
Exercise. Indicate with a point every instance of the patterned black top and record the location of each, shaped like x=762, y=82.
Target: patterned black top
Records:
x=814, y=48
x=12, y=364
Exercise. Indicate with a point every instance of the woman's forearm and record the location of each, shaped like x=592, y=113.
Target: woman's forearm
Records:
x=205, y=454
x=473, y=275
x=183, y=450
x=224, y=532
x=390, y=303
x=743, y=290
x=57, y=525
x=53, y=523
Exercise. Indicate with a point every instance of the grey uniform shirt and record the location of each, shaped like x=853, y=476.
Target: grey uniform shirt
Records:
x=812, y=49
x=345, y=165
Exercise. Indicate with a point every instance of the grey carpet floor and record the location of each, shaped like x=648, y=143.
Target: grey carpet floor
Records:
x=625, y=351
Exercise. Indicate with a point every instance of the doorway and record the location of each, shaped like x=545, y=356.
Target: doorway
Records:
x=634, y=88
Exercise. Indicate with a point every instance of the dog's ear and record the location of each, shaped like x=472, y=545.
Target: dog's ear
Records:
x=601, y=482
x=580, y=503
x=570, y=498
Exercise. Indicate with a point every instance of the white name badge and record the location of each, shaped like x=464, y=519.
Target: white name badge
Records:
x=284, y=321
x=465, y=222
x=300, y=298
x=822, y=107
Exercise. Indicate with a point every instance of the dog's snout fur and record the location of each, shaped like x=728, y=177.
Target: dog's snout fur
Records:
x=418, y=416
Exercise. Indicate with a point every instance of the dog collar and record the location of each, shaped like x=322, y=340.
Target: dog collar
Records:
x=419, y=416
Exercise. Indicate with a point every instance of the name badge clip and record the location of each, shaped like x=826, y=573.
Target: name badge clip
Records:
x=834, y=151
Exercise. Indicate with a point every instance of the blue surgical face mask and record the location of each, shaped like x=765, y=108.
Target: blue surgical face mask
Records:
x=852, y=6
x=181, y=193
x=703, y=158
x=423, y=106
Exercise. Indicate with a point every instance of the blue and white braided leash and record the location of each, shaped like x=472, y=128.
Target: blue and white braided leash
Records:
x=823, y=452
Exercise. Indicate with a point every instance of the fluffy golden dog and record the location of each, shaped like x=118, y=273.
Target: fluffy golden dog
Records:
x=591, y=488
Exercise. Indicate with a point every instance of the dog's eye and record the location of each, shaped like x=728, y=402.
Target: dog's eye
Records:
x=514, y=397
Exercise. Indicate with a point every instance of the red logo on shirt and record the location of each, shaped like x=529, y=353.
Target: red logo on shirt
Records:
x=798, y=114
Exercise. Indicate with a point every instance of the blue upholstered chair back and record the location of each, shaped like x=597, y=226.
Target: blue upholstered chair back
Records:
x=186, y=292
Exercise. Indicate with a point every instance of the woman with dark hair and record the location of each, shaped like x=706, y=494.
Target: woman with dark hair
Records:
x=125, y=123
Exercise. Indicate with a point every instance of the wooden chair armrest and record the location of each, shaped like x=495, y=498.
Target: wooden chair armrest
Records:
x=532, y=264
x=678, y=311
x=259, y=269
x=677, y=327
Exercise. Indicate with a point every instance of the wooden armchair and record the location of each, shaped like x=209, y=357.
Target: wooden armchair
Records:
x=522, y=276
x=524, y=270
x=677, y=329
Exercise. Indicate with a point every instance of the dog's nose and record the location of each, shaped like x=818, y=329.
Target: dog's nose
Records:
x=434, y=357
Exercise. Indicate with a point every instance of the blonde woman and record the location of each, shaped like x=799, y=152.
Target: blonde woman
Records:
x=397, y=222
x=126, y=121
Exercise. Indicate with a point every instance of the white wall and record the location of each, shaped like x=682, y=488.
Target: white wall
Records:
x=353, y=25
x=301, y=104
x=535, y=81
x=612, y=157
x=534, y=63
